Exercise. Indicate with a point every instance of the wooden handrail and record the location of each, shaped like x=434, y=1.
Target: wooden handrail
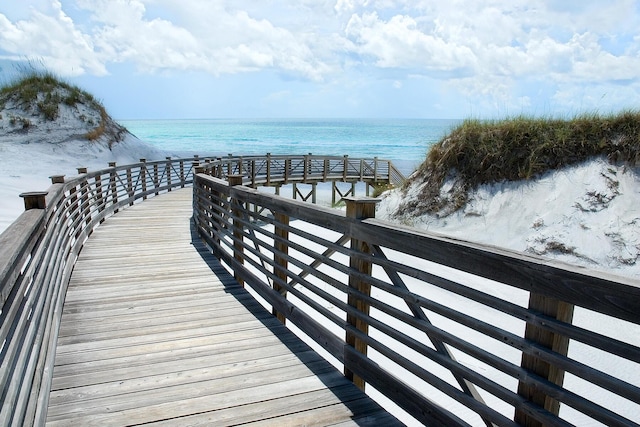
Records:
x=282, y=169
x=38, y=252
x=37, y=255
x=310, y=275
x=424, y=286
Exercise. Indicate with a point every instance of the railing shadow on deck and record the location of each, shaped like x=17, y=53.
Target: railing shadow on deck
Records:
x=39, y=249
x=453, y=332
x=349, y=396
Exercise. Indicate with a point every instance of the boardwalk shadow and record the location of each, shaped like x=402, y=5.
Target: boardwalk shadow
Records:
x=365, y=412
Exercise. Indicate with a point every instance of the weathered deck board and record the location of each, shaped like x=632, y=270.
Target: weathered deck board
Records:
x=154, y=330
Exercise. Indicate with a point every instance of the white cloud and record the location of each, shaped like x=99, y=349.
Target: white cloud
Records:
x=52, y=38
x=481, y=49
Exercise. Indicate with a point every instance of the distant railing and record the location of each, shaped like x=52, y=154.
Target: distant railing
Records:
x=454, y=333
x=37, y=255
x=272, y=170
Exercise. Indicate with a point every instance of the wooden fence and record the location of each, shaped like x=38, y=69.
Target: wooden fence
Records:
x=38, y=252
x=37, y=255
x=454, y=333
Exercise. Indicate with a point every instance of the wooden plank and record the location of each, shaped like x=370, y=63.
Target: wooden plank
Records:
x=154, y=329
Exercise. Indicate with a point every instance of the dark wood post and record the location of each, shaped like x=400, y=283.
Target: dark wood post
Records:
x=182, y=174
x=345, y=167
x=143, y=177
x=238, y=250
x=130, y=186
x=560, y=344
x=113, y=185
x=84, y=197
x=99, y=196
x=156, y=182
x=57, y=179
x=287, y=170
x=375, y=169
x=279, y=258
x=268, y=169
x=34, y=200
x=168, y=169
x=359, y=208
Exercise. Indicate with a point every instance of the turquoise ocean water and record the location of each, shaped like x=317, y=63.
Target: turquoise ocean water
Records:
x=405, y=142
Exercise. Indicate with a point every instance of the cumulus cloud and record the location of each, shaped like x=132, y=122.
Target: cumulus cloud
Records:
x=53, y=38
x=480, y=48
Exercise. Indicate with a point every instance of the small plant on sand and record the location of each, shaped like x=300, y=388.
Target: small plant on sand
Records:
x=481, y=152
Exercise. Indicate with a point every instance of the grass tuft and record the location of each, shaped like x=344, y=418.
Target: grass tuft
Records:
x=41, y=92
x=482, y=152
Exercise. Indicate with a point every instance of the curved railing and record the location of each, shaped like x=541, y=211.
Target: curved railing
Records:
x=454, y=333
x=285, y=169
x=37, y=255
x=38, y=252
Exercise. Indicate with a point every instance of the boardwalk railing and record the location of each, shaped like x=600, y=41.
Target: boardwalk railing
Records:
x=37, y=255
x=454, y=333
x=276, y=170
x=38, y=252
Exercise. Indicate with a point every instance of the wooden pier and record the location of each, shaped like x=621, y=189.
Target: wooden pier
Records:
x=154, y=330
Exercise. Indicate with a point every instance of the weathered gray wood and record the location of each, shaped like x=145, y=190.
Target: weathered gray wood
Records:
x=551, y=279
x=143, y=339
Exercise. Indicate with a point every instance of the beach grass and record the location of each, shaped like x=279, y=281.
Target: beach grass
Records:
x=519, y=148
x=42, y=92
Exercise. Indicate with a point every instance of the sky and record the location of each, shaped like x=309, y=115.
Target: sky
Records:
x=162, y=59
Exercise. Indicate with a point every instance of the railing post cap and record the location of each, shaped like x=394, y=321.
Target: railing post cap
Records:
x=82, y=170
x=34, y=199
x=235, y=179
x=198, y=169
x=168, y=157
x=112, y=164
x=361, y=199
x=143, y=160
x=57, y=179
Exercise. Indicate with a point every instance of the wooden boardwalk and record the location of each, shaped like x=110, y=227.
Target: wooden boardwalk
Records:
x=155, y=331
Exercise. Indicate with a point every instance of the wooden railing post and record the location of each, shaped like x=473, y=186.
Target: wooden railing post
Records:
x=113, y=185
x=375, y=169
x=130, y=191
x=34, y=200
x=168, y=170
x=156, y=182
x=359, y=208
x=99, y=195
x=238, y=250
x=143, y=177
x=287, y=170
x=345, y=167
x=182, y=180
x=85, y=211
x=558, y=343
x=268, y=169
x=279, y=257
x=307, y=164
x=57, y=179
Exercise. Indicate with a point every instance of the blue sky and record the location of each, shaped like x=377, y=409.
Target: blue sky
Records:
x=334, y=58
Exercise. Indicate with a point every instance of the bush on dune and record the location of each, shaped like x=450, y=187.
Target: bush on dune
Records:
x=42, y=93
x=483, y=152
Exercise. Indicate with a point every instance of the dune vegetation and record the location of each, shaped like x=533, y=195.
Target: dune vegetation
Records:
x=520, y=148
x=40, y=95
